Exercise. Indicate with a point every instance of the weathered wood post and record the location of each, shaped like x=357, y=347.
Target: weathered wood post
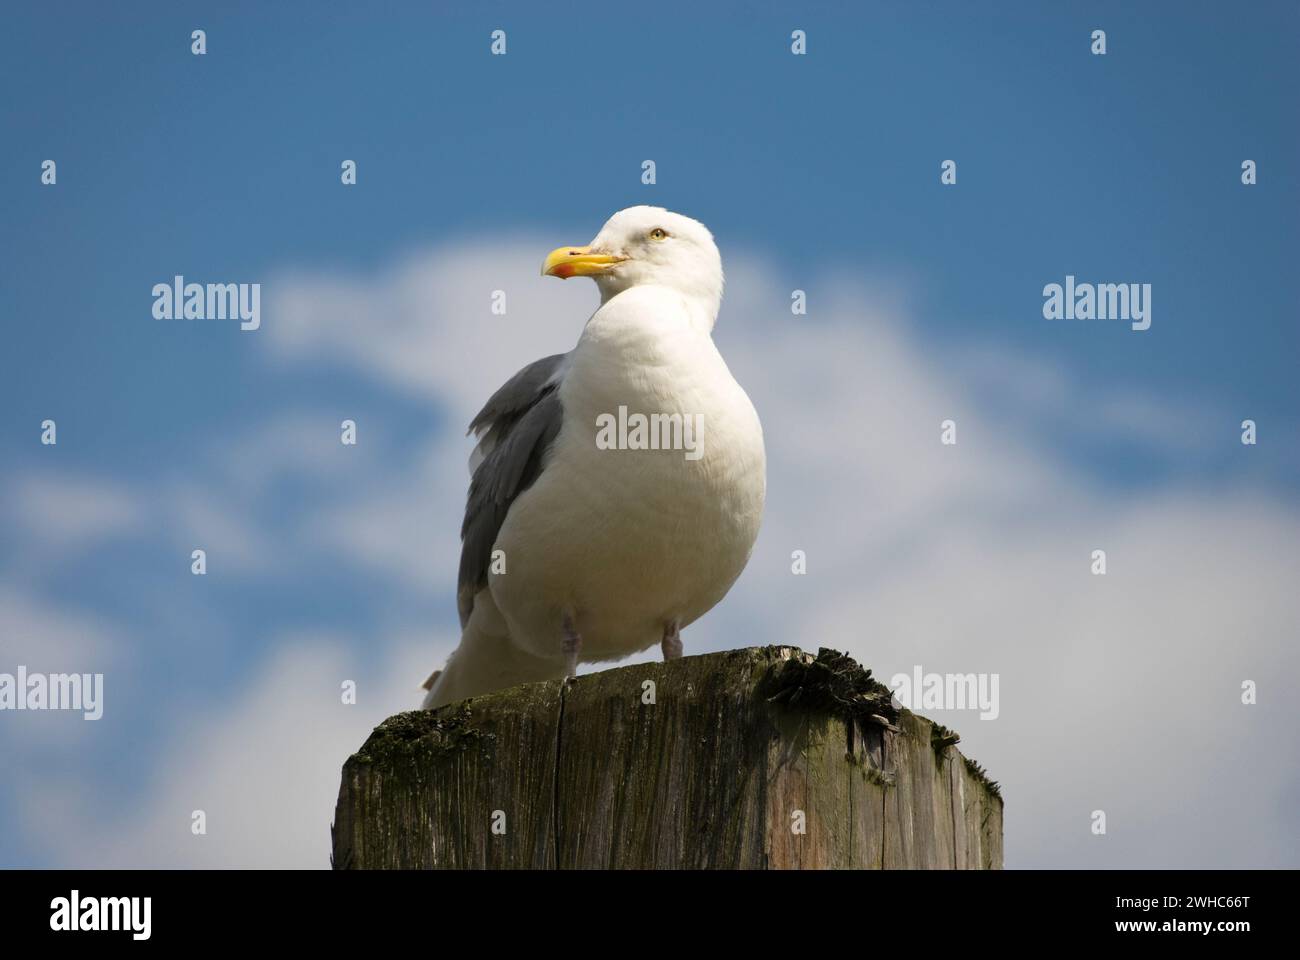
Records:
x=759, y=758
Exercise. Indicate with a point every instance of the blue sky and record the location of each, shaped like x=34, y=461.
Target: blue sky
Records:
x=225, y=167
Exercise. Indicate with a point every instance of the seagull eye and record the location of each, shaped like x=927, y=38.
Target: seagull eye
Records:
x=658, y=233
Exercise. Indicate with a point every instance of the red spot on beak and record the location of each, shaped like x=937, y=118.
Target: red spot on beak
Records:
x=563, y=271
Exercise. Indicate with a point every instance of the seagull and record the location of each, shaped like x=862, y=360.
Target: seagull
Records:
x=616, y=489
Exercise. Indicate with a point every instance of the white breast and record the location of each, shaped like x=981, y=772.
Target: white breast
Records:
x=629, y=539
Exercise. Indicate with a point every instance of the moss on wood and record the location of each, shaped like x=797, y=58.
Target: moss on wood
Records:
x=763, y=757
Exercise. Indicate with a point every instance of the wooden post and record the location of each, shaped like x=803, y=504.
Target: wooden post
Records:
x=759, y=758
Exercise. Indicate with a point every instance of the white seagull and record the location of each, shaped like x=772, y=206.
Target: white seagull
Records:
x=618, y=488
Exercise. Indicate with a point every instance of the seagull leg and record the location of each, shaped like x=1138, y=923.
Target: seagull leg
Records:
x=572, y=646
x=672, y=641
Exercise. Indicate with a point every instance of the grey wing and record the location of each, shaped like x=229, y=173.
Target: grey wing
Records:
x=516, y=428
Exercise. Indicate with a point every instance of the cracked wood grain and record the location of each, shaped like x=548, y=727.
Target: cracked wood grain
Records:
x=705, y=762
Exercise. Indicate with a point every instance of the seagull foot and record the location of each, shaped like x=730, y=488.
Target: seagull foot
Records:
x=572, y=647
x=672, y=642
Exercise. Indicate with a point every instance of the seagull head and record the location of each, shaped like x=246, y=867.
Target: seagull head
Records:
x=647, y=245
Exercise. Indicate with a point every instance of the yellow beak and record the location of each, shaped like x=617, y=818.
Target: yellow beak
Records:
x=565, y=262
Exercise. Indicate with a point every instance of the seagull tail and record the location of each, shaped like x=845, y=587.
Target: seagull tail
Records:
x=484, y=663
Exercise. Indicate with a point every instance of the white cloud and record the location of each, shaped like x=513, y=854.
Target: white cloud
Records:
x=263, y=765
x=46, y=636
x=425, y=326
x=69, y=513
x=41, y=634
x=286, y=445
x=202, y=516
x=1025, y=389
